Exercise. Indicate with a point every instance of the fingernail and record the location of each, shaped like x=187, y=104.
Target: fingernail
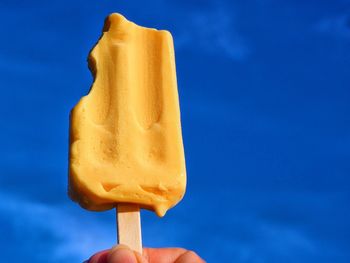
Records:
x=122, y=254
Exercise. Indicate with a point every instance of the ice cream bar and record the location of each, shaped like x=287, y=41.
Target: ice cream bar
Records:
x=125, y=135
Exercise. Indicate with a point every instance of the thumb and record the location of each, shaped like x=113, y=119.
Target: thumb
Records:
x=122, y=254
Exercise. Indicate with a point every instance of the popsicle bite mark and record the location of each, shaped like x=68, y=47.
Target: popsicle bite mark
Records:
x=106, y=58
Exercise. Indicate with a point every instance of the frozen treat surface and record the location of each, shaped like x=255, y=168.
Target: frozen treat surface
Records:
x=125, y=135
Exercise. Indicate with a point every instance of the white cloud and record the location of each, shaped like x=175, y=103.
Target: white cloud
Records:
x=43, y=233
x=337, y=26
x=212, y=31
x=284, y=239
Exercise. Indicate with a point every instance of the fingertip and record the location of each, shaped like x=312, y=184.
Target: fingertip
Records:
x=99, y=257
x=121, y=254
x=162, y=254
x=189, y=256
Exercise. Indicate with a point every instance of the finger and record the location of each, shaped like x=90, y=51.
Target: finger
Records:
x=113, y=255
x=171, y=255
x=100, y=257
x=123, y=254
x=162, y=255
x=189, y=257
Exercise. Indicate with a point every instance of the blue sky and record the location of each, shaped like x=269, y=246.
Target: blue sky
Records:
x=264, y=93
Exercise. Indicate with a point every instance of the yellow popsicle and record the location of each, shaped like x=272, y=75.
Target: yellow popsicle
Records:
x=125, y=135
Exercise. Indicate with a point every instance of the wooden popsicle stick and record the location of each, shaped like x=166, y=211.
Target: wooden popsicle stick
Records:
x=129, y=226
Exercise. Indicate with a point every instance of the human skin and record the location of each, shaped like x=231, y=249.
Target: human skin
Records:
x=122, y=254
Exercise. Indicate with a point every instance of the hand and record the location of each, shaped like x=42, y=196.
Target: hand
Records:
x=122, y=254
